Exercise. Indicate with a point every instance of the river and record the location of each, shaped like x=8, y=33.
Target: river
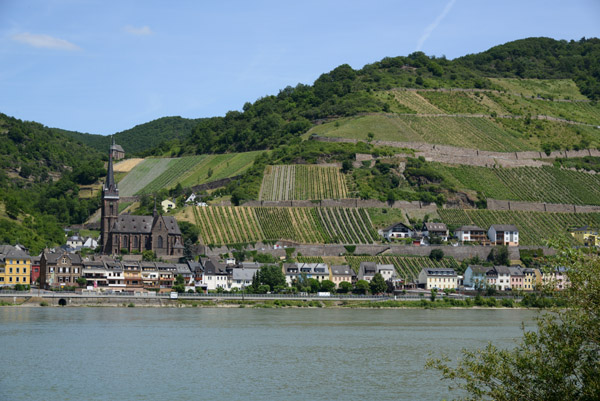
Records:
x=238, y=354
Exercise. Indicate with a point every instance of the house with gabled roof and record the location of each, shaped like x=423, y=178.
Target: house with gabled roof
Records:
x=439, y=230
x=476, y=276
x=342, y=273
x=471, y=234
x=438, y=278
x=59, y=268
x=398, y=230
x=504, y=234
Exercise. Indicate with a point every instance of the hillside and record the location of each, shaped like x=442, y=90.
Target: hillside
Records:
x=154, y=174
x=136, y=140
x=41, y=170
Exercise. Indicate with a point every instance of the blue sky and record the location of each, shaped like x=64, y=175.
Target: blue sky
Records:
x=106, y=66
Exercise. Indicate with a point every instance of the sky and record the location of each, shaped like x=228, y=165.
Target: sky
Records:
x=101, y=67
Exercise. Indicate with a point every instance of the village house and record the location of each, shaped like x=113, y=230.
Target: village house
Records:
x=437, y=278
x=95, y=274
x=504, y=234
x=475, y=277
x=398, y=230
x=167, y=205
x=435, y=230
x=15, y=266
x=517, y=277
x=586, y=235
x=215, y=275
x=471, y=234
x=241, y=277
x=532, y=278
x=342, y=273
x=75, y=241
x=503, y=278
x=35, y=269
x=132, y=272
x=367, y=271
x=59, y=268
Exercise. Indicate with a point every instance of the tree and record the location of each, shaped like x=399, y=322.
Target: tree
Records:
x=148, y=256
x=361, y=287
x=499, y=256
x=314, y=285
x=179, y=285
x=272, y=276
x=346, y=166
x=436, y=254
x=81, y=281
x=344, y=287
x=327, y=286
x=558, y=361
x=378, y=284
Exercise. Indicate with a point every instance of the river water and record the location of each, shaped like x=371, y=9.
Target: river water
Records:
x=238, y=354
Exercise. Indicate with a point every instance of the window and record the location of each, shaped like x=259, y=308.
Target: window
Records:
x=160, y=241
x=24, y=270
x=17, y=279
x=18, y=270
x=136, y=242
x=11, y=270
x=10, y=279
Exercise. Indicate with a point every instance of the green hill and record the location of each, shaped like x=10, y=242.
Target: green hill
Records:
x=151, y=135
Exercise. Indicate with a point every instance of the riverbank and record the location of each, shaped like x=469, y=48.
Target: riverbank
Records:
x=132, y=302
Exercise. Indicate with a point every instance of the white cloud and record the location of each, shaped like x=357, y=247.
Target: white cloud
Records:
x=44, y=41
x=141, y=31
x=430, y=28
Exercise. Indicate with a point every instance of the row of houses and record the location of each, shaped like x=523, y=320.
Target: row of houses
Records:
x=497, y=234
x=500, y=278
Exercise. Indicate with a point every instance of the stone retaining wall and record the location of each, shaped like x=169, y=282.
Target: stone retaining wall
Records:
x=458, y=252
x=495, y=204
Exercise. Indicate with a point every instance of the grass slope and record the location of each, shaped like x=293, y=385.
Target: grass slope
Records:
x=152, y=175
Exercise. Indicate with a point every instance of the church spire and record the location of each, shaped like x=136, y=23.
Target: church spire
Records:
x=155, y=212
x=110, y=187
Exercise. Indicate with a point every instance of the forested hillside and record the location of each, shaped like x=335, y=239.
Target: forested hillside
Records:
x=41, y=170
x=158, y=134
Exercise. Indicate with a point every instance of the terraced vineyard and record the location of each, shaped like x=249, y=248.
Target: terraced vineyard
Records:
x=230, y=225
x=227, y=225
x=302, y=182
x=535, y=228
x=408, y=267
x=152, y=175
x=479, y=133
x=531, y=184
x=464, y=118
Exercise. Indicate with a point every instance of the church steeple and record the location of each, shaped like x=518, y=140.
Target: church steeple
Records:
x=110, y=186
x=110, y=207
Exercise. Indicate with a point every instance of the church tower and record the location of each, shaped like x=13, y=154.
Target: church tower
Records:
x=110, y=207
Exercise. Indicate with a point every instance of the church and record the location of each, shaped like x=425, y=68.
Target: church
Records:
x=156, y=233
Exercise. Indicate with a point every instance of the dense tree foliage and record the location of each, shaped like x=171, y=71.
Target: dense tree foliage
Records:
x=41, y=170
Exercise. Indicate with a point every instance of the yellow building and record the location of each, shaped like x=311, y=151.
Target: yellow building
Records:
x=586, y=235
x=532, y=279
x=15, y=266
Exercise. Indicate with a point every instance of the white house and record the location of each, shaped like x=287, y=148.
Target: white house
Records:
x=241, y=277
x=215, y=275
x=438, y=278
x=167, y=205
x=471, y=234
x=503, y=278
x=367, y=271
x=90, y=243
x=398, y=230
x=504, y=234
x=75, y=241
